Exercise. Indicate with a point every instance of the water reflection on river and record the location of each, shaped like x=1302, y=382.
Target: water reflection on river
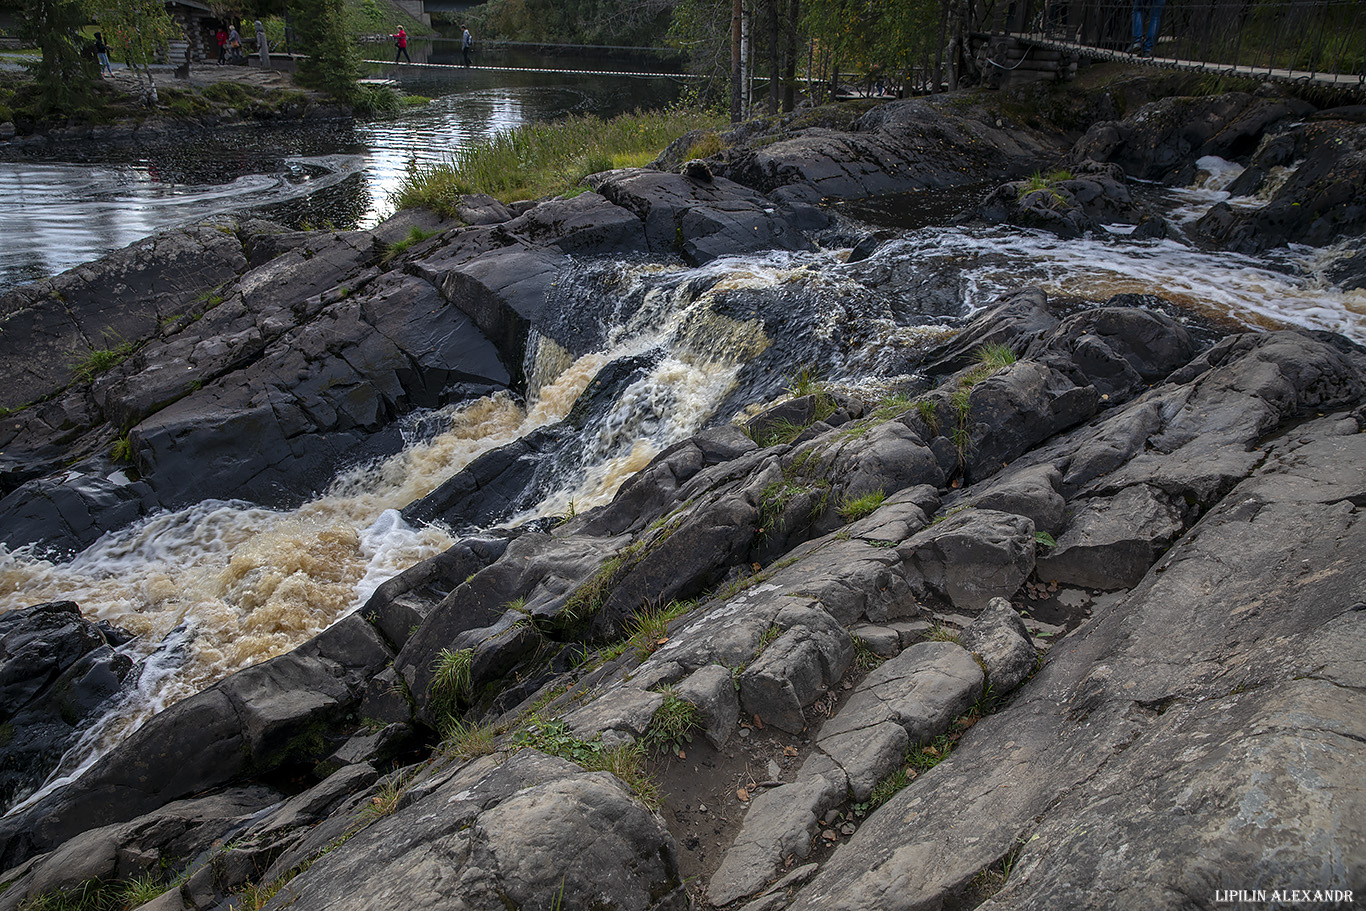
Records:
x=69, y=203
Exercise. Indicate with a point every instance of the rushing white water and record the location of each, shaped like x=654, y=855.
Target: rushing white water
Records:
x=219, y=586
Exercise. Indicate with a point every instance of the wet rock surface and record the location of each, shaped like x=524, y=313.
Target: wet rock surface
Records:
x=1077, y=624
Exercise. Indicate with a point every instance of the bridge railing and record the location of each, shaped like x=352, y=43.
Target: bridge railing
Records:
x=1287, y=38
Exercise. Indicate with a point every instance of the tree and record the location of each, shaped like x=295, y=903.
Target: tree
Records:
x=65, y=74
x=333, y=64
x=138, y=30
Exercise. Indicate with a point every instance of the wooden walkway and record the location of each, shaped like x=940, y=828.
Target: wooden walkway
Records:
x=530, y=69
x=1221, y=69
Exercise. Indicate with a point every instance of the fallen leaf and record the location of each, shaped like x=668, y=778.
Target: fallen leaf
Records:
x=742, y=794
x=758, y=722
x=682, y=755
x=789, y=751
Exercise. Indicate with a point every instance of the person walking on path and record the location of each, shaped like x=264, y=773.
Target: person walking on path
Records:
x=401, y=43
x=222, y=37
x=466, y=43
x=102, y=55
x=1145, y=38
x=234, y=45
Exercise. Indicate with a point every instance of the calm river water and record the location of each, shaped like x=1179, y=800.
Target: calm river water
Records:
x=70, y=203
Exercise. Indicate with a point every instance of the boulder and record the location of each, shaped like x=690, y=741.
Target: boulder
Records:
x=586, y=223
x=165, y=838
x=1318, y=204
x=712, y=690
x=1119, y=350
x=999, y=638
x=970, y=558
x=1163, y=140
x=1110, y=542
x=277, y=715
x=1014, y=409
x=809, y=655
x=531, y=833
x=698, y=221
x=1030, y=491
x=119, y=299
x=57, y=670
x=778, y=824
x=895, y=147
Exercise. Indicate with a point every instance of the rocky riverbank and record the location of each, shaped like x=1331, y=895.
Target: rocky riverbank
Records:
x=1074, y=621
x=206, y=97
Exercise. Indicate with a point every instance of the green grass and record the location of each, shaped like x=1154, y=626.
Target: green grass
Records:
x=995, y=356
x=649, y=629
x=626, y=761
x=781, y=432
x=122, y=450
x=927, y=412
x=852, y=510
x=673, y=724
x=101, y=360
x=415, y=236
x=767, y=638
x=450, y=680
x=941, y=633
x=461, y=740
x=95, y=895
x=865, y=659
x=385, y=799
x=924, y=758
x=893, y=407
x=546, y=159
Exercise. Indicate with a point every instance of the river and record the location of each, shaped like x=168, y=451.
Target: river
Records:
x=222, y=585
x=68, y=203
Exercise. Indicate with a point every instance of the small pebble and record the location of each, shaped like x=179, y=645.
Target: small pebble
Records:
x=744, y=733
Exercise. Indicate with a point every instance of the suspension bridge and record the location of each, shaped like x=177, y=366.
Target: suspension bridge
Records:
x=527, y=69
x=1320, y=42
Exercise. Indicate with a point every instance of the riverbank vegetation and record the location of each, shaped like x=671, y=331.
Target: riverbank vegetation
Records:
x=63, y=83
x=548, y=159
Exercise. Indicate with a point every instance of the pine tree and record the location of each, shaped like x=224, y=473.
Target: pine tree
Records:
x=333, y=64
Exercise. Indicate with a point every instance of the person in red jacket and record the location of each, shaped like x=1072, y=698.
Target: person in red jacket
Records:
x=401, y=42
x=222, y=37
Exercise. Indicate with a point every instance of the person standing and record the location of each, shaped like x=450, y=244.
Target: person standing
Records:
x=466, y=43
x=222, y=38
x=102, y=54
x=401, y=43
x=1146, y=37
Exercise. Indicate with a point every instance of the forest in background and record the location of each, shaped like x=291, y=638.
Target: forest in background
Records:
x=807, y=44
